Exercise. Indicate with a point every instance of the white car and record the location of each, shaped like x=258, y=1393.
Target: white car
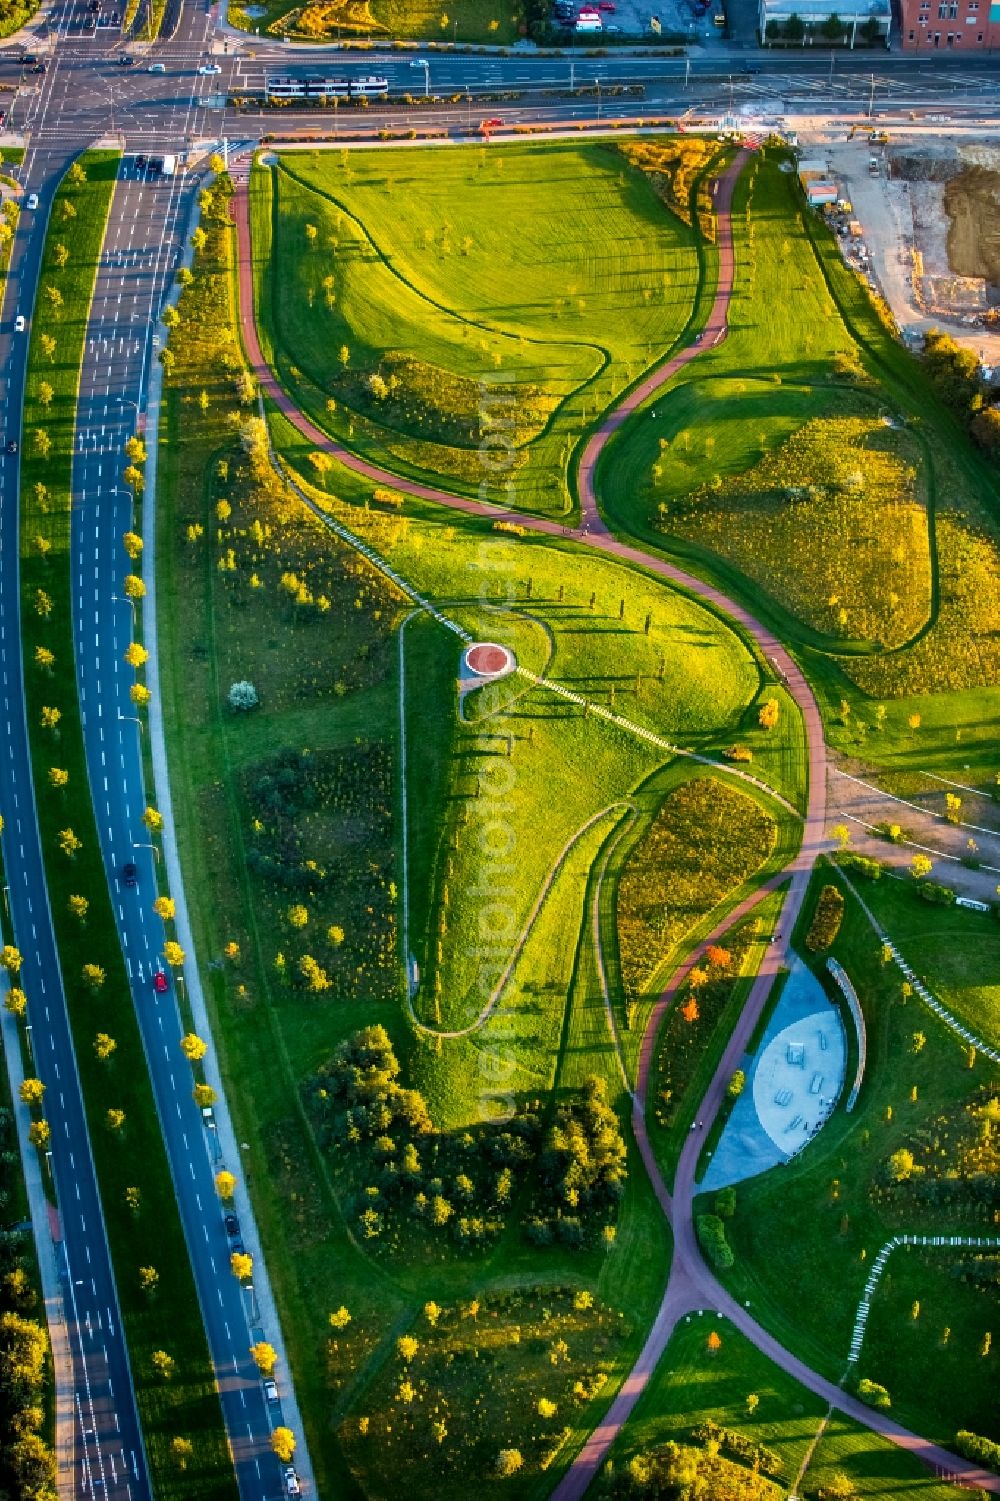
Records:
x=19, y=324
x=292, y=1482
x=209, y=70
x=32, y=200
x=271, y=1390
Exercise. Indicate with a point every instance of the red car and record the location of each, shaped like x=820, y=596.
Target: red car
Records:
x=493, y=124
x=606, y=5
x=159, y=982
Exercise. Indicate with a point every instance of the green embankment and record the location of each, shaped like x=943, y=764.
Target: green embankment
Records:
x=527, y=289
x=168, y=1319
x=806, y=346
x=328, y=680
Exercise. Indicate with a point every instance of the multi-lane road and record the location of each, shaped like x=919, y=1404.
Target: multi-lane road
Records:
x=86, y=94
x=141, y=248
x=108, y=1441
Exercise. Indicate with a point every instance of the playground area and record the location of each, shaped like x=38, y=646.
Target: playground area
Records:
x=793, y=1083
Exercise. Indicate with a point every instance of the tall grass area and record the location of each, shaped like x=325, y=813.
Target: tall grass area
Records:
x=379, y=20
x=550, y=273
x=740, y=1390
x=816, y=1224
x=133, y=1155
x=889, y=594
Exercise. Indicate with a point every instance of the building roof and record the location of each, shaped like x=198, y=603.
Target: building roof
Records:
x=820, y=10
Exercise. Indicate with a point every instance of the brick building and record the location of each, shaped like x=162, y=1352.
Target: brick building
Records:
x=943, y=25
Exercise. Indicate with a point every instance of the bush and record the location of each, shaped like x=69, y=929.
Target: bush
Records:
x=725, y=1203
x=874, y=1395
x=712, y=1239
x=861, y=865
x=826, y=921
x=982, y=1451
x=933, y=891
x=242, y=696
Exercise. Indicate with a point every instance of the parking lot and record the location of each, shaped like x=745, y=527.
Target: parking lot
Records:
x=632, y=17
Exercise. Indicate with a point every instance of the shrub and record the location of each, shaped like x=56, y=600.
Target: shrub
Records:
x=874, y=1395
x=242, y=696
x=725, y=1203
x=982, y=1451
x=826, y=920
x=712, y=1239
x=933, y=891
x=861, y=865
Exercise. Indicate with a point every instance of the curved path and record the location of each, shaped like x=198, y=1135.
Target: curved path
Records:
x=691, y=1285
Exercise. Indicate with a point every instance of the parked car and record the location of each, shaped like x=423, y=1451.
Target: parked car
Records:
x=160, y=982
x=130, y=874
x=232, y=1225
x=292, y=1486
x=271, y=1390
x=606, y=5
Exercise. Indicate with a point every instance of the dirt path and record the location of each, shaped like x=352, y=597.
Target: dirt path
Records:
x=690, y=1284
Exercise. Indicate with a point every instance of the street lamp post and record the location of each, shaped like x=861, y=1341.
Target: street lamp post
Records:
x=421, y=62
x=156, y=853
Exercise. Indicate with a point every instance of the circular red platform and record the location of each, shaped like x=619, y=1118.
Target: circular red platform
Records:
x=487, y=660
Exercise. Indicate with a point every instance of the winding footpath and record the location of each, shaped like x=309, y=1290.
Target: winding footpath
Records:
x=691, y=1286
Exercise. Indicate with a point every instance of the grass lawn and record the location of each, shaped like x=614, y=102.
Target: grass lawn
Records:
x=170, y=1320
x=540, y=278
x=271, y=598
x=692, y=1385
x=956, y=952
x=814, y=1225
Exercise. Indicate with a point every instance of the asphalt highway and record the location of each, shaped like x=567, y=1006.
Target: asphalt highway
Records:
x=108, y=1445
x=142, y=247
x=141, y=250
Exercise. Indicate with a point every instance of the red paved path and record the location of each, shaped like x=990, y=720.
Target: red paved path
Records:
x=690, y=1284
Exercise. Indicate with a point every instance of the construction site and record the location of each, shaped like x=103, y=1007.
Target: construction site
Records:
x=918, y=214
